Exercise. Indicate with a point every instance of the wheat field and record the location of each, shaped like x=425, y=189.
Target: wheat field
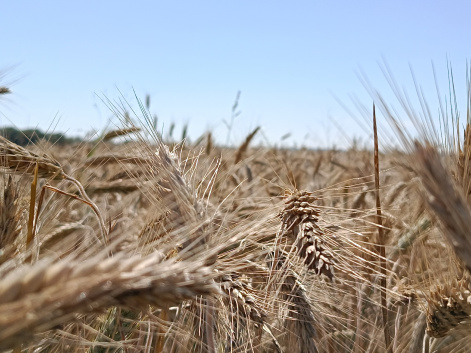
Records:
x=132, y=243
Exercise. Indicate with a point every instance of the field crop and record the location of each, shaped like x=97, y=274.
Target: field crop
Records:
x=147, y=245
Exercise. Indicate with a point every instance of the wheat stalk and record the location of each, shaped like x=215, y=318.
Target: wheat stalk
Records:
x=299, y=321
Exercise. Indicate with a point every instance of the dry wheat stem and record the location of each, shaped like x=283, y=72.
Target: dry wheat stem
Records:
x=381, y=242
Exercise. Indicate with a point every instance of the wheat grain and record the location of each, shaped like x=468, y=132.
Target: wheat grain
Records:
x=300, y=222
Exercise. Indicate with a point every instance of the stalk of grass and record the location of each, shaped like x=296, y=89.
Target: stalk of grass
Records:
x=32, y=205
x=381, y=241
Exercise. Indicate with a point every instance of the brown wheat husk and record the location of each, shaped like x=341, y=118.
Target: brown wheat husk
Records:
x=18, y=160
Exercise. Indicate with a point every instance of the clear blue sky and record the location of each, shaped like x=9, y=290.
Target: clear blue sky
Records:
x=288, y=58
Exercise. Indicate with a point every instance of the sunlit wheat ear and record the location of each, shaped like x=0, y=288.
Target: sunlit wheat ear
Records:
x=463, y=175
x=240, y=299
x=300, y=222
x=19, y=160
x=37, y=298
x=448, y=306
x=9, y=217
x=238, y=292
x=299, y=322
x=445, y=200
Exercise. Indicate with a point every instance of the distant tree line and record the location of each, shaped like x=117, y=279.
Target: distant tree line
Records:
x=31, y=136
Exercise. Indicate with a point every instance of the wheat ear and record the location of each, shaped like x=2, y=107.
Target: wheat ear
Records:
x=19, y=160
x=299, y=222
x=446, y=201
x=448, y=306
x=120, y=132
x=299, y=321
x=37, y=298
x=243, y=147
x=9, y=215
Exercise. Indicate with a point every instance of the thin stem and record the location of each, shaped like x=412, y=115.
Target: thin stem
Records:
x=32, y=203
x=381, y=241
x=85, y=199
